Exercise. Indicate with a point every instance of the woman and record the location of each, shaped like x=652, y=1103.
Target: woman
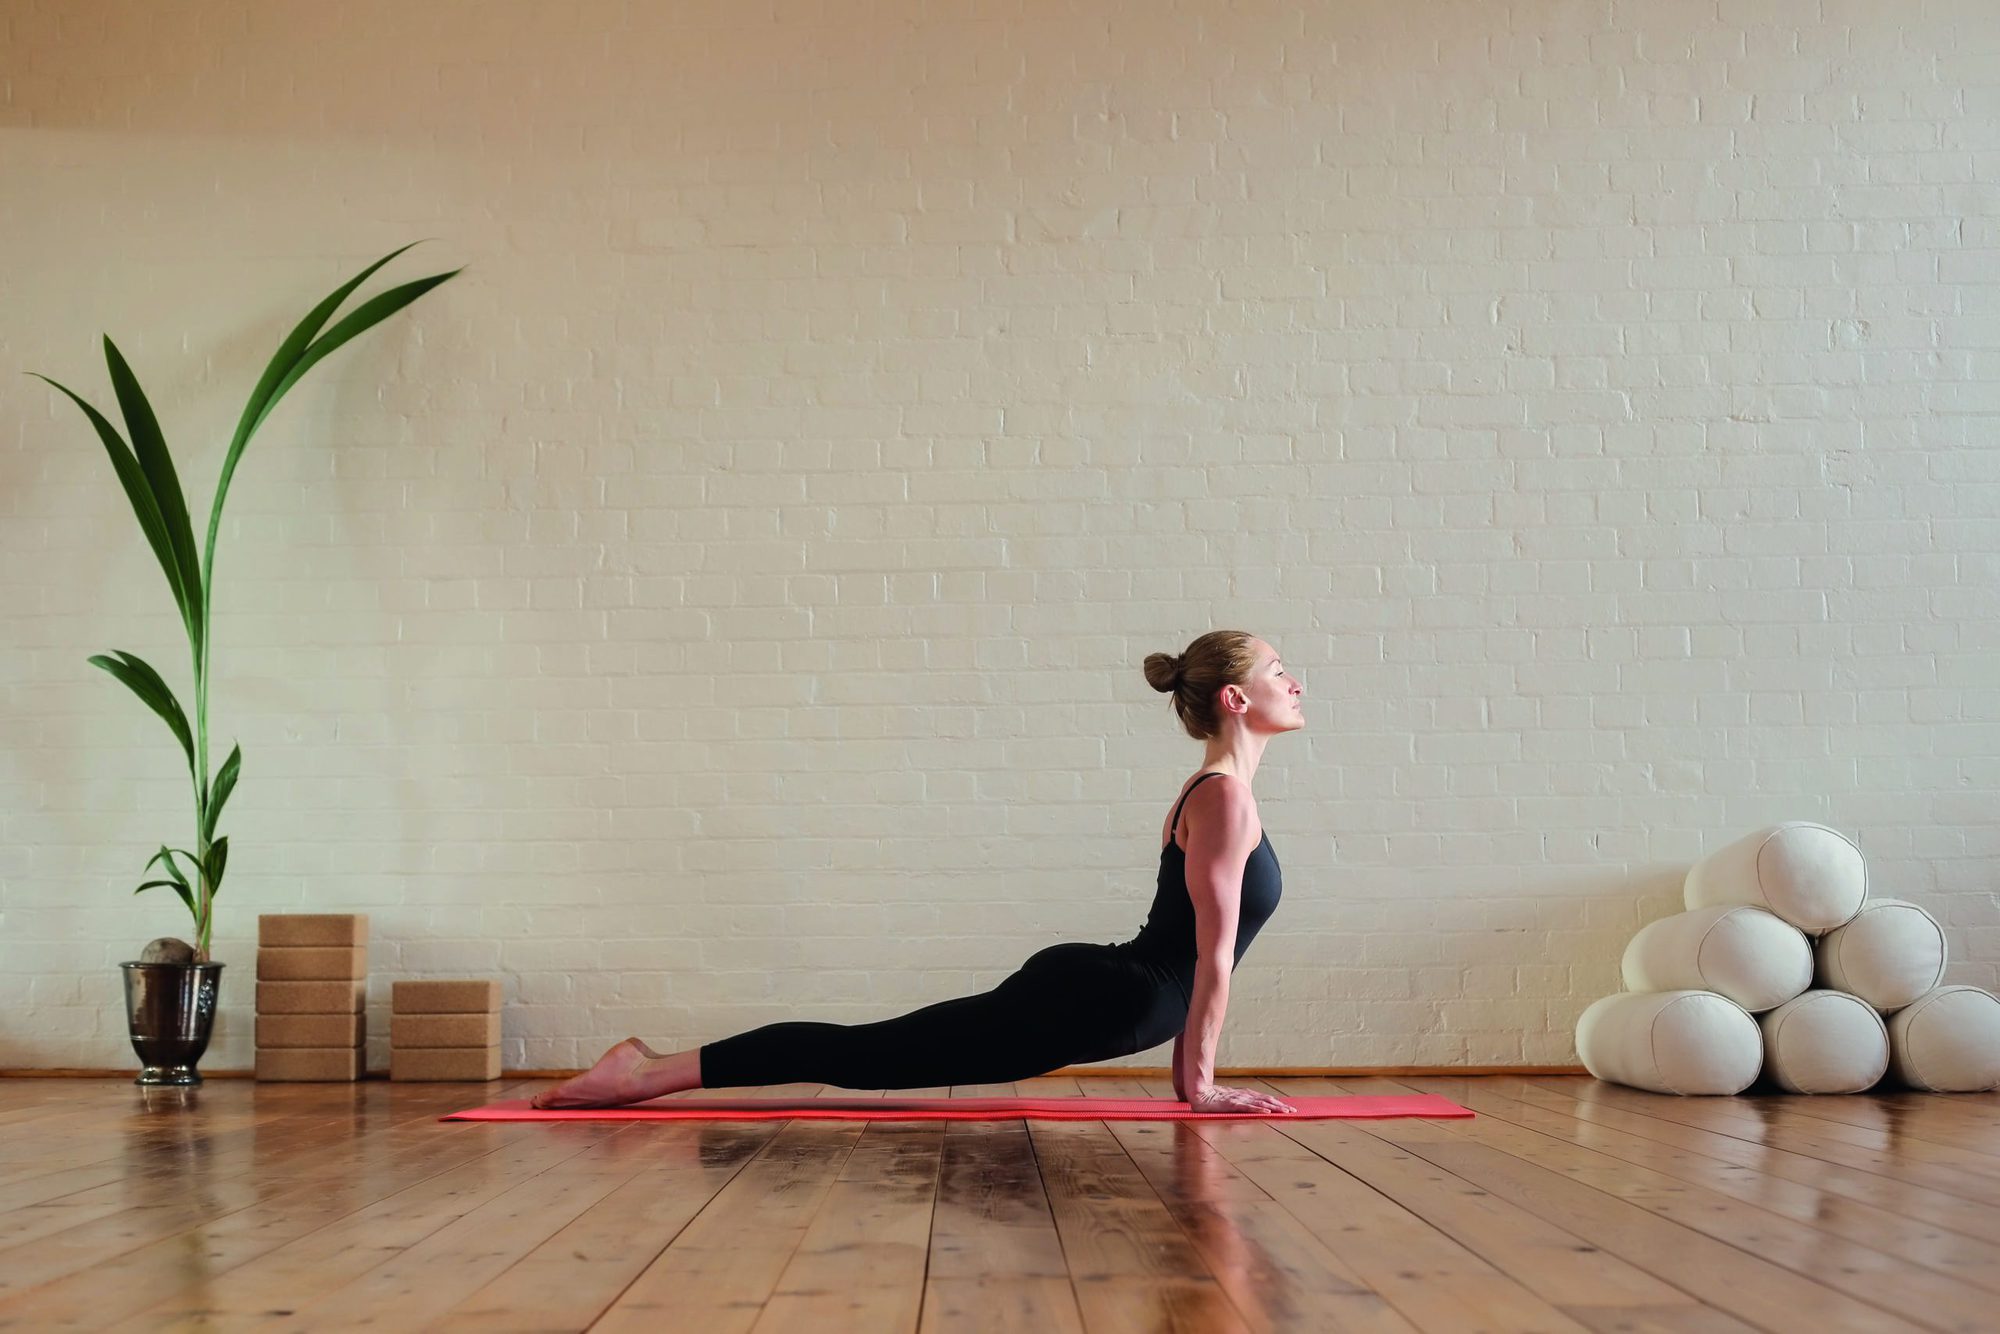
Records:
x=1073, y=1003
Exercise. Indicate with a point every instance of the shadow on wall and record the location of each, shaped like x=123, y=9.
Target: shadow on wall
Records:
x=463, y=77
x=468, y=76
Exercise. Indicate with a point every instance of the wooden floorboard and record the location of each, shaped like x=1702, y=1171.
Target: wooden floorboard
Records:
x=1793, y=1267
x=1967, y=1258
x=1768, y=1120
x=1565, y=1205
x=1759, y=1162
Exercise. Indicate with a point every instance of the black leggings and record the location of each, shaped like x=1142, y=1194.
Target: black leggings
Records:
x=1069, y=1004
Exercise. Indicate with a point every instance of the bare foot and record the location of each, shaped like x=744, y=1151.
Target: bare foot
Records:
x=612, y=1082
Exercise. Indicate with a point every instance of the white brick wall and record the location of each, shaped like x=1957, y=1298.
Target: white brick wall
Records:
x=724, y=601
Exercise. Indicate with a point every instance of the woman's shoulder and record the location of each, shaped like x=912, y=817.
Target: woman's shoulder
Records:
x=1225, y=801
x=1217, y=787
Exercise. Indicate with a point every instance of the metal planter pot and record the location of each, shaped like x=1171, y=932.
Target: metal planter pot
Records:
x=171, y=1010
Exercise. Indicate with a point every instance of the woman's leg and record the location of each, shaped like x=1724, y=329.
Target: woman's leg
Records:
x=1068, y=1004
x=1061, y=1007
x=988, y=1038
x=969, y=1040
x=629, y=1072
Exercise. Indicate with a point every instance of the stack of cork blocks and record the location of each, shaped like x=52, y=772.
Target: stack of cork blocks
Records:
x=312, y=995
x=445, y=1030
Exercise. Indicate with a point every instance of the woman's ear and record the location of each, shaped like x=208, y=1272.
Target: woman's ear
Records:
x=1234, y=700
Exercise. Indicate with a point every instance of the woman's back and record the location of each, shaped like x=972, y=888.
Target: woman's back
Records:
x=1166, y=943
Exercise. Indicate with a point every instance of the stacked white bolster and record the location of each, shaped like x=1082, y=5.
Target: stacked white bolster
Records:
x=1726, y=990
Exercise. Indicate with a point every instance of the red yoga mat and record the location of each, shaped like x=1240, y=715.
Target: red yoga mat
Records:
x=959, y=1109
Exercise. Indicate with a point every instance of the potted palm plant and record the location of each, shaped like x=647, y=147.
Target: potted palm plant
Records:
x=171, y=990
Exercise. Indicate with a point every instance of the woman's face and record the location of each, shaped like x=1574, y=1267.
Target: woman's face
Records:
x=1270, y=698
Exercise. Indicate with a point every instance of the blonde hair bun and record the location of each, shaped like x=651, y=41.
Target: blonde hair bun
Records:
x=1216, y=659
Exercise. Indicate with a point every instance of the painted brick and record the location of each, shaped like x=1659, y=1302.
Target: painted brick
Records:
x=724, y=602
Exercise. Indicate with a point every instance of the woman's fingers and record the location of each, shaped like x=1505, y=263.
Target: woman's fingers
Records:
x=1250, y=1100
x=1263, y=1102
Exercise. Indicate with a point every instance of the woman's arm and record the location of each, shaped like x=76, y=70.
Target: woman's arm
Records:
x=1222, y=830
x=1194, y=1062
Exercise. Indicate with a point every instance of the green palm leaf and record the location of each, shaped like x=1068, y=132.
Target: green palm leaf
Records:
x=218, y=858
x=359, y=320
x=179, y=886
x=157, y=462
x=144, y=682
x=139, y=490
x=178, y=880
x=294, y=357
x=167, y=855
x=225, y=783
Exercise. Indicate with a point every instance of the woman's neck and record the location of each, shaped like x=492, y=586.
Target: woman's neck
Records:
x=1237, y=752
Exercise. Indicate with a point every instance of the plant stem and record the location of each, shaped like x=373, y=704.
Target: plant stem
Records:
x=204, y=893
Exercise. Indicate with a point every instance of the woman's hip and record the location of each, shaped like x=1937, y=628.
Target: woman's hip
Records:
x=1094, y=986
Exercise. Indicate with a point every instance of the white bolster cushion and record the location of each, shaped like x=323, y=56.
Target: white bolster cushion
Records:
x=1948, y=1041
x=1825, y=1042
x=1812, y=876
x=1671, y=1042
x=1890, y=953
x=1753, y=957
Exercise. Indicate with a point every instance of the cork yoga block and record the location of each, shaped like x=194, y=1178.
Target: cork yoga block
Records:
x=312, y=1030
x=445, y=996
x=439, y=1064
x=312, y=997
x=311, y=963
x=444, y=1030
x=310, y=1064
x=323, y=929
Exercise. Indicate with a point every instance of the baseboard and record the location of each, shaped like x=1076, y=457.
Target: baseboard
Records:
x=1082, y=1072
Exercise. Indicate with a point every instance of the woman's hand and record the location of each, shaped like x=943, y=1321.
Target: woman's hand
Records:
x=1216, y=1098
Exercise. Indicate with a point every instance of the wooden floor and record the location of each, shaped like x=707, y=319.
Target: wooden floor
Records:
x=1566, y=1205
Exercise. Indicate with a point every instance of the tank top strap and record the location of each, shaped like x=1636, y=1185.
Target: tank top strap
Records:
x=1175, y=823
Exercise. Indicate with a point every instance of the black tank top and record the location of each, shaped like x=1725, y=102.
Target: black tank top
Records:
x=1167, y=941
